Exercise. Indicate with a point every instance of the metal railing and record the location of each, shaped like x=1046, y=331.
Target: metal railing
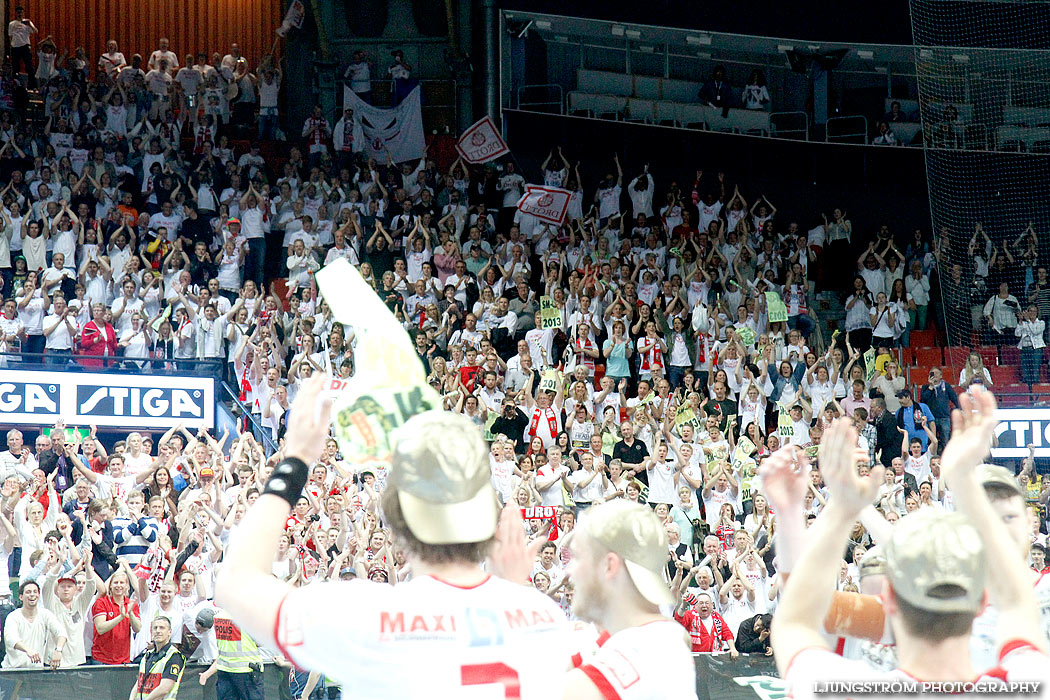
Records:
x=262, y=433
x=554, y=97
x=854, y=129
x=111, y=363
x=785, y=124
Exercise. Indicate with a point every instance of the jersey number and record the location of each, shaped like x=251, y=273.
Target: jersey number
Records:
x=485, y=674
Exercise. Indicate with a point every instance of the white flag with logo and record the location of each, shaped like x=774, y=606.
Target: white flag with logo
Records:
x=481, y=142
x=545, y=203
x=293, y=19
x=398, y=129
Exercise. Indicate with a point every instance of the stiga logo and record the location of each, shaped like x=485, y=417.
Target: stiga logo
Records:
x=117, y=400
x=478, y=139
x=1020, y=427
x=178, y=404
x=545, y=201
x=29, y=397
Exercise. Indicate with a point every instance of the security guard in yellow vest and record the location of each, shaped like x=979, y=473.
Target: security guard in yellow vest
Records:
x=239, y=663
x=160, y=670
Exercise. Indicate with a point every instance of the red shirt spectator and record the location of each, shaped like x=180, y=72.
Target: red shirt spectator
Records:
x=707, y=630
x=98, y=337
x=116, y=618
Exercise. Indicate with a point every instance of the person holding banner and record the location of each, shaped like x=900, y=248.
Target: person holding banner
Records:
x=434, y=635
x=545, y=409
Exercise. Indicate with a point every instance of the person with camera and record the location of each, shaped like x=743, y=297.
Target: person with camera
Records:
x=160, y=670
x=1000, y=313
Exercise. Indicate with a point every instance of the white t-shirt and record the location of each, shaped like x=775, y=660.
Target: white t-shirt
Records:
x=644, y=663
x=661, y=482
x=429, y=639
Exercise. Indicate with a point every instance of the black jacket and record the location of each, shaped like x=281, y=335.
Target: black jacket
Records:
x=889, y=438
x=747, y=641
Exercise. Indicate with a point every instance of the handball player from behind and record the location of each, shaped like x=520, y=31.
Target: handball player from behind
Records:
x=453, y=626
x=619, y=556
x=938, y=566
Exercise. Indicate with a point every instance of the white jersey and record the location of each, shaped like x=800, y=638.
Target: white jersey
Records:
x=649, y=662
x=1018, y=661
x=429, y=639
x=982, y=635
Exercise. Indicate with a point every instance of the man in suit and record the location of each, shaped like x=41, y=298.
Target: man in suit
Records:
x=940, y=397
x=716, y=91
x=888, y=439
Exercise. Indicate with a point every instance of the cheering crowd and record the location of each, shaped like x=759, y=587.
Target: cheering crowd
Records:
x=657, y=346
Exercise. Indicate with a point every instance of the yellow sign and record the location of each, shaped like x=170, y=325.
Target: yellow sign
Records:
x=550, y=314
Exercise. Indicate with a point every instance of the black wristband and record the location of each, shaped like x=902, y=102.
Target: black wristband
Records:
x=288, y=479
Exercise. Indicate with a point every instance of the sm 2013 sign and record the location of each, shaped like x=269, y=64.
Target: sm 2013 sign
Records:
x=106, y=400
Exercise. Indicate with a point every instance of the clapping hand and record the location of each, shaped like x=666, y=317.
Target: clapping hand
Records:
x=973, y=425
x=839, y=457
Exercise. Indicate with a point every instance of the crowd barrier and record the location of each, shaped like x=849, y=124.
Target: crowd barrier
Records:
x=116, y=682
x=718, y=677
x=749, y=676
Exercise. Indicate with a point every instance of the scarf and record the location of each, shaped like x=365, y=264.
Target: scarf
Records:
x=552, y=421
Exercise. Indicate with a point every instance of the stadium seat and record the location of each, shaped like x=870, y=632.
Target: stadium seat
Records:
x=926, y=338
x=1013, y=395
x=928, y=356
x=599, y=372
x=281, y=286
x=989, y=355
x=956, y=356
x=1009, y=356
x=1041, y=391
x=1005, y=374
x=907, y=356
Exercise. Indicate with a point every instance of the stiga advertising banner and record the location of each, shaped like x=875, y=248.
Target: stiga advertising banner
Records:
x=106, y=400
x=1020, y=427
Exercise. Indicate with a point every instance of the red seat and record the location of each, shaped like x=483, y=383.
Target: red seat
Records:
x=956, y=356
x=1013, y=395
x=1005, y=375
x=923, y=338
x=281, y=286
x=907, y=356
x=1041, y=389
x=926, y=357
x=1009, y=356
x=989, y=355
x=919, y=375
x=599, y=372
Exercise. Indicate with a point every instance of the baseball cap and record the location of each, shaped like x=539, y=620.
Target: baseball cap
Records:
x=873, y=563
x=348, y=571
x=206, y=618
x=66, y=577
x=440, y=471
x=633, y=532
x=231, y=222
x=207, y=471
x=989, y=474
x=930, y=551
